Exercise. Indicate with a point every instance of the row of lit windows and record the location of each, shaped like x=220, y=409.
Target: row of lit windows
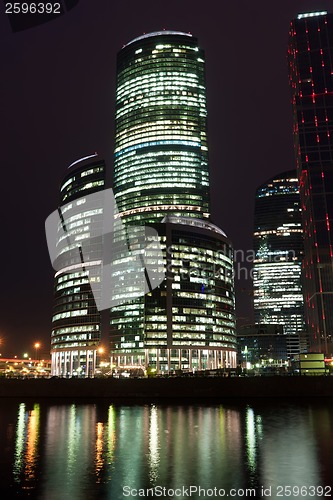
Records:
x=91, y=171
x=81, y=215
x=165, y=124
x=144, y=116
x=171, y=173
x=71, y=338
x=138, y=138
x=151, y=94
x=168, y=91
x=190, y=157
x=148, y=79
x=77, y=282
x=162, y=100
x=192, y=167
x=70, y=314
x=160, y=69
x=203, y=295
x=78, y=328
x=70, y=345
x=89, y=185
x=160, y=197
x=160, y=93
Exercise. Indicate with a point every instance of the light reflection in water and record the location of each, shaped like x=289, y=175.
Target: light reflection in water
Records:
x=19, y=442
x=92, y=452
x=154, y=454
x=26, y=445
x=69, y=449
x=111, y=434
x=32, y=443
x=250, y=439
x=99, y=461
x=289, y=450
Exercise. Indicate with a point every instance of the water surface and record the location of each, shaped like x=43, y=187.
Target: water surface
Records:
x=105, y=451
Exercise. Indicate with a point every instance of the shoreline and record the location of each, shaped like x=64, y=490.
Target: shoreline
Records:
x=199, y=389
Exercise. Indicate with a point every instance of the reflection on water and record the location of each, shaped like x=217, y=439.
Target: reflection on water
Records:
x=83, y=451
x=26, y=443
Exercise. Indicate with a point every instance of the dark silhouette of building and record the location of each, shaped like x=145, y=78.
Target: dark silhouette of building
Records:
x=262, y=346
x=310, y=56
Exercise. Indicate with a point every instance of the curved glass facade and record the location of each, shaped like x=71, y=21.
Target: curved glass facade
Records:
x=76, y=322
x=188, y=322
x=278, y=245
x=161, y=156
x=161, y=179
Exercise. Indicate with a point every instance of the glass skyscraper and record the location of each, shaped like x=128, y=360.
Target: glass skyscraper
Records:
x=278, y=246
x=161, y=179
x=76, y=322
x=161, y=155
x=310, y=57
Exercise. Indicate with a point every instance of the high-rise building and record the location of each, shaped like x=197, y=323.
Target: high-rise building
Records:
x=161, y=178
x=76, y=322
x=310, y=56
x=161, y=155
x=278, y=246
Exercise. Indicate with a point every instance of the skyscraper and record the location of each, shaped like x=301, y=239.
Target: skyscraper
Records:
x=310, y=56
x=161, y=156
x=278, y=246
x=161, y=178
x=76, y=322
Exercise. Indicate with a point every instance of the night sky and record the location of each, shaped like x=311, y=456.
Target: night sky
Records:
x=57, y=105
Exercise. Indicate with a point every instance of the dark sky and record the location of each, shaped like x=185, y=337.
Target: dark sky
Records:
x=57, y=105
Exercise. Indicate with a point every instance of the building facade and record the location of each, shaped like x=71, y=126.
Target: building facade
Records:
x=76, y=322
x=310, y=57
x=161, y=178
x=188, y=322
x=262, y=346
x=161, y=154
x=279, y=250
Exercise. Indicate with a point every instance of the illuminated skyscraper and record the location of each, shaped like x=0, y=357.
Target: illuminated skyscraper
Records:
x=161, y=178
x=278, y=246
x=161, y=156
x=76, y=322
x=310, y=57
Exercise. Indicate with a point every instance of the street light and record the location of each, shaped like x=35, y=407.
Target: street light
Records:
x=37, y=346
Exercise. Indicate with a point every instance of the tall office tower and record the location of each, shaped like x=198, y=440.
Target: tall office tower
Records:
x=310, y=56
x=161, y=156
x=161, y=179
x=279, y=249
x=76, y=322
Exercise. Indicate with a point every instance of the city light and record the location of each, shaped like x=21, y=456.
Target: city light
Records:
x=312, y=14
x=37, y=346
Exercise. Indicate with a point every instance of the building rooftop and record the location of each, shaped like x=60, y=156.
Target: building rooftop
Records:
x=158, y=33
x=312, y=14
x=191, y=221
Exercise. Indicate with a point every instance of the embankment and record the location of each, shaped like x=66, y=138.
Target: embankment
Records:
x=169, y=389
